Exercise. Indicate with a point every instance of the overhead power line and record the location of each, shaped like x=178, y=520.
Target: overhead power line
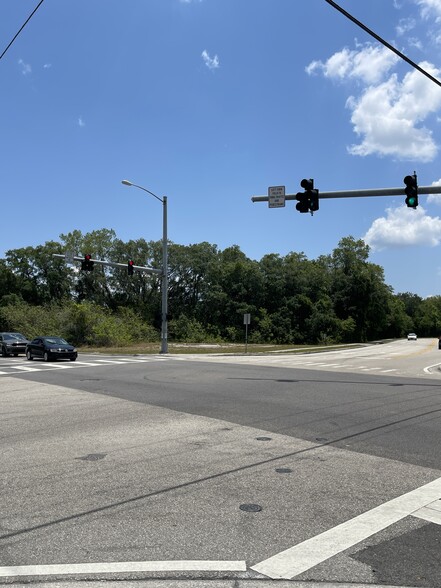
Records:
x=23, y=26
x=385, y=43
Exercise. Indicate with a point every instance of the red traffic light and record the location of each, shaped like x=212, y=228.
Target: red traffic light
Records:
x=130, y=265
x=87, y=264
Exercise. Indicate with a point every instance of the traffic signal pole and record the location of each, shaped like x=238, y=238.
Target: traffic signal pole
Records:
x=359, y=193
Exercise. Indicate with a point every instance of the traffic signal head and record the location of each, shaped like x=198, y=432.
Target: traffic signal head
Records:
x=307, y=184
x=130, y=265
x=411, y=191
x=303, y=202
x=313, y=200
x=87, y=264
x=309, y=199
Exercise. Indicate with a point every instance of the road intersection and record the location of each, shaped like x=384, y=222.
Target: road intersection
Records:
x=169, y=469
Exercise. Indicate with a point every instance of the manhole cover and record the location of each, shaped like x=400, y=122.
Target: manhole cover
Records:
x=250, y=507
x=92, y=457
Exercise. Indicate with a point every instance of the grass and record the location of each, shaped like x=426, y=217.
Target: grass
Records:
x=210, y=348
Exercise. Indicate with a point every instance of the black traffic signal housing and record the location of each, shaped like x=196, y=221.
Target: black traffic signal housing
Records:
x=309, y=199
x=130, y=265
x=87, y=264
x=411, y=191
x=302, y=204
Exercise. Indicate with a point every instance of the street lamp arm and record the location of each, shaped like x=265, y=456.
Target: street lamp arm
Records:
x=128, y=183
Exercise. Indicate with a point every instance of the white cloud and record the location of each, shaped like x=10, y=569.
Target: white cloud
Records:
x=369, y=64
x=405, y=25
x=431, y=10
x=429, y=7
x=81, y=122
x=25, y=67
x=387, y=117
x=435, y=198
x=210, y=62
x=403, y=227
x=391, y=116
x=47, y=65
x=415, y=43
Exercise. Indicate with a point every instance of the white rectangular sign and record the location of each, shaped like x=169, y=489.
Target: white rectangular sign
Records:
x=247, y=319
x=69, y=257
x=276, y=196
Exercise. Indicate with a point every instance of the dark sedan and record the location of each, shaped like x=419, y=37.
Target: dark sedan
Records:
x=12, y=344
x=49, y=348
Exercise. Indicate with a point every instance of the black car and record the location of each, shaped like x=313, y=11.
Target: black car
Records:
x=12, y=344
x=49, y=348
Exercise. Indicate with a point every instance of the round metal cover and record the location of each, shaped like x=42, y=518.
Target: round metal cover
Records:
x=250, y=507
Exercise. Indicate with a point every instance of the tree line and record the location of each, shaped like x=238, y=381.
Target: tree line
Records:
x=336, y=298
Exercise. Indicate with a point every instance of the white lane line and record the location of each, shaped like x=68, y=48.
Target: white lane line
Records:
x=333, y=364
x=121, y=567
x=85, y=363
x=431, y=512
x=25, y=368
x=126, y=360
x=428, y=514
x=386, y=371
x=104, y=361
x=319, y=364
x=429, y=367
x=304, y=556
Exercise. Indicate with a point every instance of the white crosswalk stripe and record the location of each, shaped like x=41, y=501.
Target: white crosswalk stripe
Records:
x=37, y=366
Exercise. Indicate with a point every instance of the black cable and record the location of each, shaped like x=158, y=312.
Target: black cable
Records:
x=23, y=26
x=385, y=43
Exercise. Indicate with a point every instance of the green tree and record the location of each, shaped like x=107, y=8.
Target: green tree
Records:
x=358, y=289
x=40, y=278
x=428, y=317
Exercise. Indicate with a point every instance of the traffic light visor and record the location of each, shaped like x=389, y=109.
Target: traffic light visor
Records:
x=410, y=181
x=307, y=184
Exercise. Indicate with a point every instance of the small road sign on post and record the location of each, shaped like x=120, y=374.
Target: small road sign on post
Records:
x=69, y=257
x=246, y=322
x=276, y=197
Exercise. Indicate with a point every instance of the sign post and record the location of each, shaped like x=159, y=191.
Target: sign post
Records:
x=246, y=322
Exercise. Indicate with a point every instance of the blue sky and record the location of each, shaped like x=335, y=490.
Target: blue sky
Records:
x=211, y=102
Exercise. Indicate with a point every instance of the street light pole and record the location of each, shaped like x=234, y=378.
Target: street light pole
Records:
x=164, y=276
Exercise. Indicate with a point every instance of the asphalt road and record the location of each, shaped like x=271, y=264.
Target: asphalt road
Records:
x=223, y=471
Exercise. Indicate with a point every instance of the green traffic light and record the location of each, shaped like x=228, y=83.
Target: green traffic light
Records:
x=411, y=191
